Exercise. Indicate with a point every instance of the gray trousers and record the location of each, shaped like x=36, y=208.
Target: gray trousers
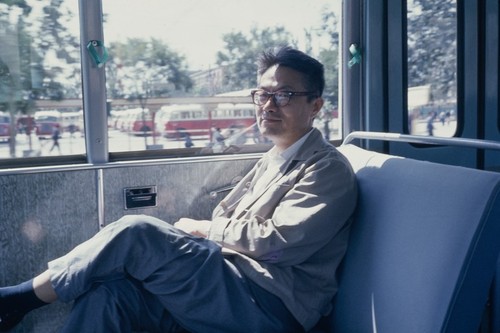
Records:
x=142, y=274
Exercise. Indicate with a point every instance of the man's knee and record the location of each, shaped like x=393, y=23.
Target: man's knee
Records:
x=138, y=226
x=156, y=230
x=141, y=222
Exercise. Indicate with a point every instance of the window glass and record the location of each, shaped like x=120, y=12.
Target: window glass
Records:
x=191, y=64
x=172, y=66
x=40, y=85
x=432, y=67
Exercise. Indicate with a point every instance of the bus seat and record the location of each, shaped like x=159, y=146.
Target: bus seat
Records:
x=423, y=247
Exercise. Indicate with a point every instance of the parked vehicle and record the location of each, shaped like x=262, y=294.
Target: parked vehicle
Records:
x=46, y=122
x=174, y=121
x=5, y=131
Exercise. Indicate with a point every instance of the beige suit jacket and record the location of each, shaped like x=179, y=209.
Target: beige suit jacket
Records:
x=291, y=237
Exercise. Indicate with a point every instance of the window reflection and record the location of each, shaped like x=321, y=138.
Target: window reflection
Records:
x=163, y=55
x=432, y=67
x=192, y=65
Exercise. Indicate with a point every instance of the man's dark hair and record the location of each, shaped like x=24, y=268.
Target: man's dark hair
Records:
x=286, y=56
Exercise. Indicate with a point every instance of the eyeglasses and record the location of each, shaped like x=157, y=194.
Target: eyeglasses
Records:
x=280, y=98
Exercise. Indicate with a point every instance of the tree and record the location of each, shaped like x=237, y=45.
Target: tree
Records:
x=329, y=56
x=39, y=58
x=240, y=54
x=145, y=67
x=241, y=51
x=432, y=46
x=11, y=75
x=48, y=62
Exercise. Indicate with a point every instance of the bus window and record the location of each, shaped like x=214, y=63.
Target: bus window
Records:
x=432, y=67
x=39, y=73
x=156, y=58
x=192, y=64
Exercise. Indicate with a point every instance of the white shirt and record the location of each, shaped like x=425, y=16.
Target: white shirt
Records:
x=276, y=163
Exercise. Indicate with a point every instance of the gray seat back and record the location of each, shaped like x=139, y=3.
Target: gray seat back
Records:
x=423, y=247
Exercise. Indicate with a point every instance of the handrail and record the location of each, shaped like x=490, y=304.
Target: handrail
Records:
x=430, y=140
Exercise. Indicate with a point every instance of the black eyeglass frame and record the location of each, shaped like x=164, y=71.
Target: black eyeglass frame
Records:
x=272, y=95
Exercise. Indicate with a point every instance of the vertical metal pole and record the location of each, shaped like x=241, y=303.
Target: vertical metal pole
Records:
x=100, y=198
x=352, y=92
x=94, y=95
x=93, y=83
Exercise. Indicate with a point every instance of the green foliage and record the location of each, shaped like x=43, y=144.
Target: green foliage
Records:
x=329, y=58
x=137, y=66
x=241, y=52
x=18, y=3
x=32, y=77
x=145, y=67
x=432, y=46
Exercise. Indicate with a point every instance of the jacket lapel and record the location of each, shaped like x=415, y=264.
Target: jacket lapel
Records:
x=315, y=140
x=239, y=201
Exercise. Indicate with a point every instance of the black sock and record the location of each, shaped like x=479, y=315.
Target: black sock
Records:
x=15, y=302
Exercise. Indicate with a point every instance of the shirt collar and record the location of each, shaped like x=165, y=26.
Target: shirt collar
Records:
x=276, y=157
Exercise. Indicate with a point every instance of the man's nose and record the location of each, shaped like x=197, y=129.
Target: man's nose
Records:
x=270, y=105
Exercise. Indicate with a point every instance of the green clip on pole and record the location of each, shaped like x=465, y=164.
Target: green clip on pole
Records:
x=356, y=55
x=92, y=48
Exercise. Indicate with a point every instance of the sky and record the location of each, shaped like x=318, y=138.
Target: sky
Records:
x=195, y=27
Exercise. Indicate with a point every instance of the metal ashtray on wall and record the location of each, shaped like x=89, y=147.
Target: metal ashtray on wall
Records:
x=140, y=197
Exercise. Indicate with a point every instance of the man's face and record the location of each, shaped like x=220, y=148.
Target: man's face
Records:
x=285, y=125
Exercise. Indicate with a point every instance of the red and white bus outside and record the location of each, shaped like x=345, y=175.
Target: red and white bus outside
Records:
x=134, y=121
x=46, y=122
x=198, y=120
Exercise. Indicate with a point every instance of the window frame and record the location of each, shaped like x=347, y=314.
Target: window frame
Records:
x=95, y=104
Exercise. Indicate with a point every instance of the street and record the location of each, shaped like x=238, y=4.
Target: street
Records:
x=446, y=129
x=122, y=142
x=75, y=144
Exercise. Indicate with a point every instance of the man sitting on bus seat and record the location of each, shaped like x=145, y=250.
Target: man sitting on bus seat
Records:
x=265, y=262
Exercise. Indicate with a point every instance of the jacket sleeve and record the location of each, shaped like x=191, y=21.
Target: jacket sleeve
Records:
x=296, y=216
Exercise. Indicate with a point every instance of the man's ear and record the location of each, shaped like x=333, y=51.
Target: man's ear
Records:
x=317, y=104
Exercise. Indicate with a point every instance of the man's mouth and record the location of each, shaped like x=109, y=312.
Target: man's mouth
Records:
x=267, y=118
